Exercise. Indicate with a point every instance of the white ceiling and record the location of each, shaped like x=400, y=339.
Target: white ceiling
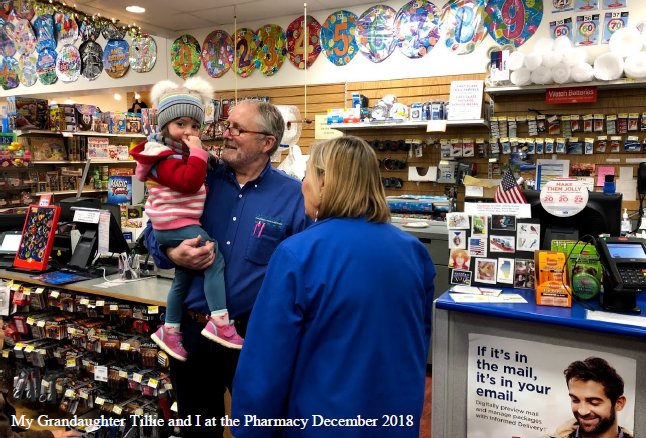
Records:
x=164, y=16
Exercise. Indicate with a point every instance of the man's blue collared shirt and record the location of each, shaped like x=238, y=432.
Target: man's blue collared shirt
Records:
x=248, y=223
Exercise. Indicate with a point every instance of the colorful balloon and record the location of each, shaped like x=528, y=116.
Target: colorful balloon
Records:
x=217, y=53
x=296, y=41
x=338, y=37
x=462, y=25
x=272, y=49
x=513, y=21
x=245, y=52
x=376, y=32
x=186, y=56
x=27, y=70
x=417, y=27
x=143, y=54
x=116, y=58
x=9, y=73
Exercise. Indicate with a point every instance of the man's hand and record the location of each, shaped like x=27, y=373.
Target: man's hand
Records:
x=188, y=255
x=193, y=142
x=62, y=434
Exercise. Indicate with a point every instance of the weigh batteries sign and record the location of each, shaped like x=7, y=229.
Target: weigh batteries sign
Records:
x=517, y=388
x=564, y=197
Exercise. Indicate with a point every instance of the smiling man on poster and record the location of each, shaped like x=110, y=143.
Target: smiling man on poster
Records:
x=596, y=395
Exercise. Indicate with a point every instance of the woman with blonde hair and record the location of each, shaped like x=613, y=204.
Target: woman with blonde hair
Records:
x=341, y=328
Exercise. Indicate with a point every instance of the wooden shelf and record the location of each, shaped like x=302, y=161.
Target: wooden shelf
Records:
x=82, y=133
x=601, y=85
x=69, y=192
x=97, y=161
x=406, y=125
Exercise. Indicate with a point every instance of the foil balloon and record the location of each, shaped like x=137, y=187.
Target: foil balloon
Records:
x=46, y=66
x=245, y=52
x=513, y=21
x=116, y=58
x=417, y=28
x=6, y=7
x=25, y=38
x=91, y=60
x=24, y=9
x=338, y=37
x=185, y=56
x=44, y=28
x=296, y=41
x=376, y=32
x=67, y=31
x=463, y=25
x=217, y=53
x=27, y=70
x=111, y=31
x=7, y=38
x=143, y=54
x=68, y=64
x=89, y=31
x=9, y=73
x=271, y=42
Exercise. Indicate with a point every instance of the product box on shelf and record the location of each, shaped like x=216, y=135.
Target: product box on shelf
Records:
x=133, y=123
x=47, y=148
x=85, y=117
x=97, y=147
x=116, y=122
x=149, y=121
x=27, y=113
x=552, y=280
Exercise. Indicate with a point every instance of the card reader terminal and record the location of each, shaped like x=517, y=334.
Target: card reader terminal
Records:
x=623, y=260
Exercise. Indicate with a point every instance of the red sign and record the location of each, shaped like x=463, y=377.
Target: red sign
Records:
x=571, y=95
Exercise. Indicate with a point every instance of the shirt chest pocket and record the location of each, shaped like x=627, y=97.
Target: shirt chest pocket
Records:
x=263, y=243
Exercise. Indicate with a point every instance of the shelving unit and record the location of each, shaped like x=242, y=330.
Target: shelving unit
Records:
x=83, y=162
x=82, y=133
x=70, y=192
x=533, y=89
x=407, y=125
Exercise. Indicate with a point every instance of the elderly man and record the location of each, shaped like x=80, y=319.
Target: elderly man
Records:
x=250, y=208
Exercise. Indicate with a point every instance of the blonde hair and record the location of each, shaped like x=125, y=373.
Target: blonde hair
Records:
x=352, y=180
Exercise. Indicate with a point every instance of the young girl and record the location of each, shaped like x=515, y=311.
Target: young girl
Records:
x=173, y=165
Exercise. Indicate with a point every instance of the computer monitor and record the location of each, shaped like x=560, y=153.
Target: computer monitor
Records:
x=12, y=221
x=88, y=245
x=601, y=215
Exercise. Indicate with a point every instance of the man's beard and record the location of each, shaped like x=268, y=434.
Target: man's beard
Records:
x=603, y=425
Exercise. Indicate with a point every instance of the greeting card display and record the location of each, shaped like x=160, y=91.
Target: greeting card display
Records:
x=37, y=238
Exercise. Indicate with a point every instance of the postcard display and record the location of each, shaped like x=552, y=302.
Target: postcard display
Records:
x=496, y=250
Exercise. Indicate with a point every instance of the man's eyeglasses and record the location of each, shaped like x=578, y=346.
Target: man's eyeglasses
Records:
x=234, y=132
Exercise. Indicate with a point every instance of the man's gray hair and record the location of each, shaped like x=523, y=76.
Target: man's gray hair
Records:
x=269, y=120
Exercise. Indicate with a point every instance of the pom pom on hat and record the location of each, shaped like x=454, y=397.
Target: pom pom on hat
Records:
x=173, y=101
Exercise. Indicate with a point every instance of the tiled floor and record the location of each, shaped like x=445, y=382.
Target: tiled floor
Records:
x=425, y=426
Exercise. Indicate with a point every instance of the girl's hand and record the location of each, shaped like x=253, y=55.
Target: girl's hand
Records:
x=69, y=433
x=193, y=142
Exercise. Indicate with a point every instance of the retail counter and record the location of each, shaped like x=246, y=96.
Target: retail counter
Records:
x=151, y=291
x=435, y=238
x=568, y=327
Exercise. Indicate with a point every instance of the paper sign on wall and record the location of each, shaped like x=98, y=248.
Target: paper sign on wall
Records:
x=465, y=101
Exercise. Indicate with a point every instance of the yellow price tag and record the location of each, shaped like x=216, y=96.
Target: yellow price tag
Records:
x=153, y=310
x=137, y=377
x=19, y=346
x=84, y=395
x=40, y=290
x=114, y=307
x=31, y=321
x=117, y=410
x=139, y=411
x=46, y=383
x=99, y=401
x=174, y=407
x=100, y=303
x=123, y=374
x=29, y=348
x=40, y=323
x=153, y=383
x=71, y=363
x=69, y=393
x=55, y=294
x=5, y=354
x=26, y=291
x=125, y=346
x=84, y=302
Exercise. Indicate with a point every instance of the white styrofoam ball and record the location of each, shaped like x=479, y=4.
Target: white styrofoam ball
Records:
x=582, y=72
x=516, y=60
x=542, y=75
x=626, y=41
x=635, y=66
x=578, y=55
x=608, y=66
x=563, y=45
x=552, y=59
x=521, y=77
x=544, y=45
x=533, y=61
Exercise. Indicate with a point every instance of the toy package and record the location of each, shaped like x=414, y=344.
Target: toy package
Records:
x=27, y=113
x=47, y=149
x=97, y=147
x=133, y=123
x=149, y=121
x=85, y=117
x=584, y=267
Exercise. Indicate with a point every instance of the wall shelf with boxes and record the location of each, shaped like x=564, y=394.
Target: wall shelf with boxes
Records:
x=21, y=133
x=407, y=125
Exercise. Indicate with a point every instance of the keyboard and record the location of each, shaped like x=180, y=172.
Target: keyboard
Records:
x=633, y=276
